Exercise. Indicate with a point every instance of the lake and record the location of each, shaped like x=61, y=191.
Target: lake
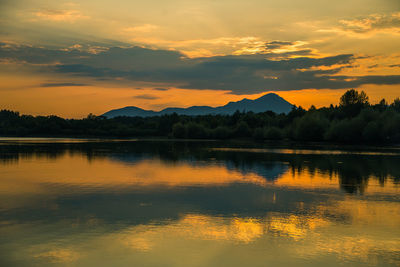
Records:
x=73, y=202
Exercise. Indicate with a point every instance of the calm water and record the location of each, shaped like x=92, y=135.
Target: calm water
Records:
x=148, y=203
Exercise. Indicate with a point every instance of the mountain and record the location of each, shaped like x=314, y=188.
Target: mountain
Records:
x=268, y=102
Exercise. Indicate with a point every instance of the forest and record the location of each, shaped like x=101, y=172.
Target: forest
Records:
x=354, y=120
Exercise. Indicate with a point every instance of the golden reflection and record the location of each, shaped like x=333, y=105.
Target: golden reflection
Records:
x=103, y=172
x=195, y=227
x=342, y=227
x=234, y=229
x=367, y=213
x=296, y=227
x=307, y=179
x=58, y=256
x=313, y=236
x=308, y=236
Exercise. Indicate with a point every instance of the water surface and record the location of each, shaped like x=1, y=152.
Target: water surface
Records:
x=162, y=203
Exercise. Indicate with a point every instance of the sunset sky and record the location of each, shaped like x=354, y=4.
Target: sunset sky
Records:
x=73, y=58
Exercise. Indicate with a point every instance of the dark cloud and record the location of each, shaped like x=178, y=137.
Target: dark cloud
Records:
x=160, y=89
x=146, y=96
x=243, y=74
x=85, y=70
x=62, y=84
x=395, y=66
x=387, y=79
x=277, y=44
x=37, y=55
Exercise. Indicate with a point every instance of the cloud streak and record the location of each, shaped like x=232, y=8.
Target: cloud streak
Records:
x=62, y=84
x=59, y=15
x=146, y=97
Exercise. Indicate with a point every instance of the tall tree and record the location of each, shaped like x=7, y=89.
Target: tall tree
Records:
x=352, y=102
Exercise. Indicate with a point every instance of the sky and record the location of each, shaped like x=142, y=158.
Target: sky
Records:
x=74, y=58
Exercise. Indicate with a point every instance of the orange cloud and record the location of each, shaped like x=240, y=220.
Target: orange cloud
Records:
x=145, y=28
x=60, y=15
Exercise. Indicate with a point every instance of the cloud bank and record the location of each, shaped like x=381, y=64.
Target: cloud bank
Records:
x=241, y=74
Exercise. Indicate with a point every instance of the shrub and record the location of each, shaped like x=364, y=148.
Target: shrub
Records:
x=311, y=127
x=372, y=132
x=195, y=130
x=221, y=132
x=274, y=133
x=242, y=130
x=178, y=130
x=258, y=134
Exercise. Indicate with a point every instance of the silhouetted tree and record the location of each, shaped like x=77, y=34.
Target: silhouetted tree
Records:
x=352, y=102
x=352, y=97
x=396, y=104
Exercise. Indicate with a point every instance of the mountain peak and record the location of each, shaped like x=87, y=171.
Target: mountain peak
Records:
x=270, y=95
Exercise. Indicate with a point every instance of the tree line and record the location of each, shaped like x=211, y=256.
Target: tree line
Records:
x=354, y=120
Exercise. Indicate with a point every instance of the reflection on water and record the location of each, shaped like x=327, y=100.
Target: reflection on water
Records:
x=195, y=204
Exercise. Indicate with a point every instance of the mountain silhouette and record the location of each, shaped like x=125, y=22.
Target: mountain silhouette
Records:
x=268, y=102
